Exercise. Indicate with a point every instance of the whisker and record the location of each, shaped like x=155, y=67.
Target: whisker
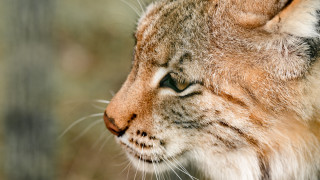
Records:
x=155, y=171
x=127, y=166
x=184, y=170
x=180, y=166
x=164, y=160
x=166, y=175
x=143, y=3
x=146, y=174
x=177, y=166
x=140, y=6
x=103, y=133
x=128, y=170
x=112, y=92
x=167, y=161
x=143, y=172
x=132, y=7
x=126, y=29
x=101, y=101
x=138, y=167
x=118, y=155
x=88, y=128
x=121, y=164
x=98, y=107
x=154, y=167
x=78, y=121
x=104, y=143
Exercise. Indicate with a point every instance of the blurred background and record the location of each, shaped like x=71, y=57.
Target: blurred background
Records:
x=59, y=61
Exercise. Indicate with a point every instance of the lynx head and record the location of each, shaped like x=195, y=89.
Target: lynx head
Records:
x=229, y=85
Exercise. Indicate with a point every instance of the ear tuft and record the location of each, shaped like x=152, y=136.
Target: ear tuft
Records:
x=300, y=18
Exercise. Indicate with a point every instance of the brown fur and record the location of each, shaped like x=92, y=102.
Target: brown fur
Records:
x=254, y=93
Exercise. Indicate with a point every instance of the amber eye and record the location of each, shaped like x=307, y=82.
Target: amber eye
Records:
x=177, y=86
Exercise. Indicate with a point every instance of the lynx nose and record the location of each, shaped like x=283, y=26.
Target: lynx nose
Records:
x=110, y=123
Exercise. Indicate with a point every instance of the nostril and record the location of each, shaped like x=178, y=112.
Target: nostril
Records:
x=144, y=134
x=110, y=123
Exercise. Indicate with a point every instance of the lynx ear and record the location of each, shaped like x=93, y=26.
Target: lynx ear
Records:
x=299, y=18
x=294, y=27
x=254, y=13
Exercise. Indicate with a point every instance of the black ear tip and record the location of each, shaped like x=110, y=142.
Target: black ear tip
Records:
x=313, y=47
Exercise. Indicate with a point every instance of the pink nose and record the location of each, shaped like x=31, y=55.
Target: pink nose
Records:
x=111, y=126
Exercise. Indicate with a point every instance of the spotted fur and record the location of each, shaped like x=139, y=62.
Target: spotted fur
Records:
x=251, y=110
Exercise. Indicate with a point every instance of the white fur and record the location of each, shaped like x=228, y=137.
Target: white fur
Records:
x=236, y=165
x=158, y=76
x=301, y=21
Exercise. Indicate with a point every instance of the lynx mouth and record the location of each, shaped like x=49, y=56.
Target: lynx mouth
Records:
x=151, y=159
x=147, y=160
x=142, y=157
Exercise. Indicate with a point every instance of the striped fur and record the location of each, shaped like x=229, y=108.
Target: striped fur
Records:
x=251, y=110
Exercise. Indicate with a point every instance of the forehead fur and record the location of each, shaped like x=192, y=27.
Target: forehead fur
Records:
x=201, y=28
x=171, y=26
x=246, y=58
x=208, y=30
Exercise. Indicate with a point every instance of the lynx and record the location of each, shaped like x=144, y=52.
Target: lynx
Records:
x=230, y=86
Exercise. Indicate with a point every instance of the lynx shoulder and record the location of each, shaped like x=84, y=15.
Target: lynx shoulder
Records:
x=230, y=86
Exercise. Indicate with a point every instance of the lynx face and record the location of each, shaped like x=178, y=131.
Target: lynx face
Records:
x=227, y=85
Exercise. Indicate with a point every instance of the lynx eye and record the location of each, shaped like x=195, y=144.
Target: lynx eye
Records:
x=176, y=85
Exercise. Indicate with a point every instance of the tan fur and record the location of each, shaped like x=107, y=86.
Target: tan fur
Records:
x=252, y=110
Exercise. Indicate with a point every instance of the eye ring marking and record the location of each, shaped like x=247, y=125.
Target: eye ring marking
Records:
x=175, y=85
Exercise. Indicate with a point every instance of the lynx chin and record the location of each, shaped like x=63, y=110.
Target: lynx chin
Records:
x=230, y=86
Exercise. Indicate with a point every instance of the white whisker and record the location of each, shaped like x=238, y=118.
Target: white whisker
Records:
x=183, y=169
x=164, y=160
x=143, y=3
x=127, y=166
x=132, y=7
x=140, y=6
x=138, y=167
x=103, y=133
x=101, y=101
x=120, y=154
x=166, y=175
x=98, y=107
x=143, y=174
x=121, y=164
x=78, y=121
x=128, y=171
x=167, y=162
x=179, y=166
x=112, y=92
x=154, y=167
x=87, y=129
x=104, y=143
